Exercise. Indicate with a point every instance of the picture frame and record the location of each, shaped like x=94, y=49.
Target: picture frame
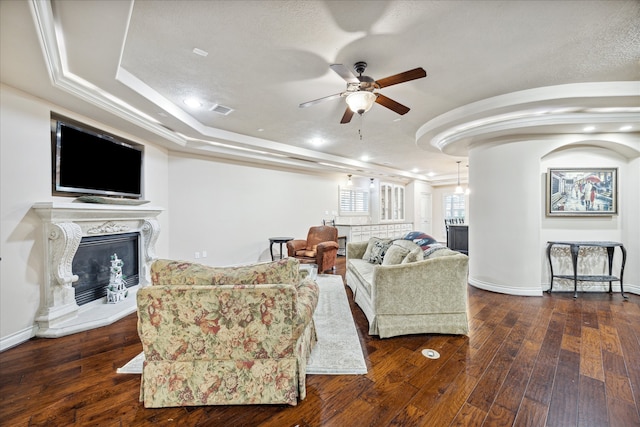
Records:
x=582, y=192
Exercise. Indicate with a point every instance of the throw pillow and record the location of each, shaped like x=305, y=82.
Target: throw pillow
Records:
x=371, y=244
x=415, y=255
x=421, y=239
x=378, y=251
x=407, y=244
x=394, y=255
x=438, y=251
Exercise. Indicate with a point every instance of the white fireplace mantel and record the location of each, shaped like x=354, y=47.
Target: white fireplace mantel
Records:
x=64, y=225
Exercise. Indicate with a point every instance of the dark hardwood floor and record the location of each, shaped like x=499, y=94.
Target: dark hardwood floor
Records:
x=528, y=361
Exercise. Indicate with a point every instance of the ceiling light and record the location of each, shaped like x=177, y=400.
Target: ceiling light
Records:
x=316, y=142
x=193, y=102
x=349, y=182
x=364, y=158
x=589, y=129
x=459, y=189
x=361, y=101
x=371, y=184
x=200, y=52
x=626, y=128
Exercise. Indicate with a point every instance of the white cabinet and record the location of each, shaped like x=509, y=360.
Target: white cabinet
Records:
x=391, y=202
x=362, y=233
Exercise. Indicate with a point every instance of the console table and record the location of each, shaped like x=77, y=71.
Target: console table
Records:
x=574, y=247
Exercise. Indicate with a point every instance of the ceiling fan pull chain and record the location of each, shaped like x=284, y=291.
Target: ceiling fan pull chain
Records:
x=361, y=123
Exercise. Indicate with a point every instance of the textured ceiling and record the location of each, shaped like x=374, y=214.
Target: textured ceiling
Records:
x=266, y=57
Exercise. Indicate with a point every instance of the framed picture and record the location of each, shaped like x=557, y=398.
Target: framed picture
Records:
x=582, y=192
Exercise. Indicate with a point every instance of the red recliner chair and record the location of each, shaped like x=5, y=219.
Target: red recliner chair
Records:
x=321, y=247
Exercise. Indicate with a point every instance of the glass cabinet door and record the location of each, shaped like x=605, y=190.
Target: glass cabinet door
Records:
x=391, y=202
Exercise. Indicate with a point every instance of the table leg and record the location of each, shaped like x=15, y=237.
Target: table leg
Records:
x=610, y=250
x=550, y=267
x=624, y=260
x=574, y=259
x=271, y=250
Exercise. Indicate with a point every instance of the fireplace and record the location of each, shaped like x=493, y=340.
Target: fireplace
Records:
x=92, y=260
x=77, y=238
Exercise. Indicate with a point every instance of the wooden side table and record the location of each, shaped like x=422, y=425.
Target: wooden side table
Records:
x=281, y=241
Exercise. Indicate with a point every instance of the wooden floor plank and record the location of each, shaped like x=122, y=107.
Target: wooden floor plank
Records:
x=520, y=366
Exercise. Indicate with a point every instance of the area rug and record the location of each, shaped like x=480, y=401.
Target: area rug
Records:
x=338, y=351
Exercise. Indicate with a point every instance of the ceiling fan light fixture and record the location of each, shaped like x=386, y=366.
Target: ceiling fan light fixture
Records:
x=361, y=101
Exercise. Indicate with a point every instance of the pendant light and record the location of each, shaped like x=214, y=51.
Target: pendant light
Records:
x=459, y=189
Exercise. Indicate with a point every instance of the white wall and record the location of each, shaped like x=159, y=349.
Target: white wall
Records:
x=231, y=210
x=509, y=231
x=25, y=178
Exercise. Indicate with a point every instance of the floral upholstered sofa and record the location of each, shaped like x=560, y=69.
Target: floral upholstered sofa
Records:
x=225, y=335
x=404, y=288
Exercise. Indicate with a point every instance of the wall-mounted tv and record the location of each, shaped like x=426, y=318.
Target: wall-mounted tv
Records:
x=87, y=161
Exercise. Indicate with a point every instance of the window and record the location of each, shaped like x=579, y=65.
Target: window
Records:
x=454, y=206
x=354, y=201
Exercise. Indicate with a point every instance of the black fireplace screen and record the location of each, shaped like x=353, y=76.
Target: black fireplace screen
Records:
x=93, y=259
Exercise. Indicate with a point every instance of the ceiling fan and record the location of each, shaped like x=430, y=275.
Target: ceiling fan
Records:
x=360, y=90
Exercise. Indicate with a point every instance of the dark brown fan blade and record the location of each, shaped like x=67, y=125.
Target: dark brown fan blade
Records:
x=319, y=100
x=391, y=104
x=344, y=72
x=416, y=73
x=346, y=118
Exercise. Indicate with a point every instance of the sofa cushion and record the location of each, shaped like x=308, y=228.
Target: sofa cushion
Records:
x=363, y=270
x=168, y=272
x=415, y=255
x=371, y=244
x=395, y=254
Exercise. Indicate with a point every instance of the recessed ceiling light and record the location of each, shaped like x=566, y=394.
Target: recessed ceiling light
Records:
x=626, y=128
x=193, y=102
x=316, y=142
x=415, y=170
x=364, y=158
x=200, y=52
x=430, y=174
x=261, y=130
x=397, y=120
x=589, y=128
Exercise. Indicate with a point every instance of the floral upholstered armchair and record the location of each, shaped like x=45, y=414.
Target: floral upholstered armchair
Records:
x=223, y=336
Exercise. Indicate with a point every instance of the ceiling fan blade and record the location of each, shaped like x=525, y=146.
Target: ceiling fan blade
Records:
x=319, y=100
x=391, y=104
x=344, y=72
x=348, y=114
x=416, y=73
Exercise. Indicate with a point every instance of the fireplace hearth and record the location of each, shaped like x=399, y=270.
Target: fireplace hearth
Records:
x=69, y=302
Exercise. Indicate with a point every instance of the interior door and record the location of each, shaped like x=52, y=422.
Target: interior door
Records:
x=425, y=213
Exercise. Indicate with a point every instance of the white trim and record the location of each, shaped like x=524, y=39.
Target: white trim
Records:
x=17, y=338
x=538, y=291
x=506, y=289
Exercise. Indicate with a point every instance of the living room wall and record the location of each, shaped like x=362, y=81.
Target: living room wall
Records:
x=230, y=210
x=510, y=230
x=225, y=208
x=25, y=176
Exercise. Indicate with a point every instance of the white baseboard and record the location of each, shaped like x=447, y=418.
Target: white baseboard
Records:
x=17, y=338
x=506, y=289
x=536, y=290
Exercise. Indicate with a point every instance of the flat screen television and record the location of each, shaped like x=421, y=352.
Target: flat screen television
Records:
x=87, y=161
